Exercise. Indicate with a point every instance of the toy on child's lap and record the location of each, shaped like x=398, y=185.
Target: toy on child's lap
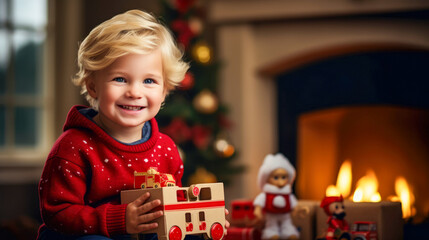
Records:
x=276, y=202
x=198, y=209
x=153, y=179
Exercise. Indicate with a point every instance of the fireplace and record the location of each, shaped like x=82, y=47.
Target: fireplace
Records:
x=370, y=108
x=265, y=46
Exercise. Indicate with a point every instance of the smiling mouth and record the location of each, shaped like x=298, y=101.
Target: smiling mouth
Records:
x=132, y=108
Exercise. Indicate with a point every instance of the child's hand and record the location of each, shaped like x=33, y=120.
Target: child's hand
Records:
x=226, y=221
x=137, y=217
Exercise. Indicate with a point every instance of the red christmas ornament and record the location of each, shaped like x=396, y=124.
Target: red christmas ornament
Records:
x=184, y=5
x=187, y=82
x=201, y=136
x=178, y=130
x=184, y=32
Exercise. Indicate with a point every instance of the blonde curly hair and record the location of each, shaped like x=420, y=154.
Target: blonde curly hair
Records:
x=135, y=32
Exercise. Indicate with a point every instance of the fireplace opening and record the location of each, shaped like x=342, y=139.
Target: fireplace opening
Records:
x=379, y=141
x=371, y=108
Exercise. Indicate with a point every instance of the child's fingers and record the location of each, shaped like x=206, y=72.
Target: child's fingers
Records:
x=144, y=218
x=142, y=199
x=227, y=224
x=146, y=226
x=148, y=206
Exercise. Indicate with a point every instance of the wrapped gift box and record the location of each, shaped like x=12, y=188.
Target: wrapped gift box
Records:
x=386, y=215
x=304, y=218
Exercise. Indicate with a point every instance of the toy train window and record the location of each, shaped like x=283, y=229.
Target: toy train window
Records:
x=182, y=196
x=363, y=227
x=188, y=217
x=202, y=216
x=205, y=194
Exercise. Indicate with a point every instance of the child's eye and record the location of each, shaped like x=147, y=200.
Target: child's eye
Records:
x=119, y=79
x=148, y=81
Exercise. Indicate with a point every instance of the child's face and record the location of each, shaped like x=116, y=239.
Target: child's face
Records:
x=278, y=177
x=129, y=91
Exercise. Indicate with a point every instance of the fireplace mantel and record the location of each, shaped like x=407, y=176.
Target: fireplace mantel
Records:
x=256, y=34
x=239, y=11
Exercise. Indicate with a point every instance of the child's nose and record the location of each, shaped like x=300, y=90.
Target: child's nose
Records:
x=134, y=91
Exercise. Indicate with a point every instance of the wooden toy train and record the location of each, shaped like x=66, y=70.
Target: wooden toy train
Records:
x=198, y=209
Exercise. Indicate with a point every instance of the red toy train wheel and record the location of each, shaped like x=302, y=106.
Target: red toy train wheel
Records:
x=175, y=233
x=216, y=231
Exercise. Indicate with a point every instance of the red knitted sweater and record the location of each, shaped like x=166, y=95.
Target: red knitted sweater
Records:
x=87, y=169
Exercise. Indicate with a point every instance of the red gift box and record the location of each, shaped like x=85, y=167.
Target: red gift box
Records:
x=247, y=233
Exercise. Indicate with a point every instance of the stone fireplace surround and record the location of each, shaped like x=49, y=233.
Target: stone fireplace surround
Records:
x=260, y=39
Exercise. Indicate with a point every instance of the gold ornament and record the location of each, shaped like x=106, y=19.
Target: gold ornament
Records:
x=202, y=53
x=201, y=175
x=223, y=148
x=205, y=102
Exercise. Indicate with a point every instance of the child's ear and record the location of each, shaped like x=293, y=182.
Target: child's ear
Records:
x=90, y=87
x=165, y=93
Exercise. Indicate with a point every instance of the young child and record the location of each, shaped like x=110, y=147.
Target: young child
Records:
x=127, y=65
x=275, y=178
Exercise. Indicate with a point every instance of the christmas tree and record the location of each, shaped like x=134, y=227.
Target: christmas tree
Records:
x=193, y=116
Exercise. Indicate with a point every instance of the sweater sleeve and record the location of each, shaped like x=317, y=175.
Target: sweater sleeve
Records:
x=64, y=206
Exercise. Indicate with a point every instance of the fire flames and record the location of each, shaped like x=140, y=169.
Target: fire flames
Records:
x=344, y=181
x=367, y=189
x=405, y=196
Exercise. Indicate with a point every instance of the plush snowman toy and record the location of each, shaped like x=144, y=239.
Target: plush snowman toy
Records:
x=275, y=179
